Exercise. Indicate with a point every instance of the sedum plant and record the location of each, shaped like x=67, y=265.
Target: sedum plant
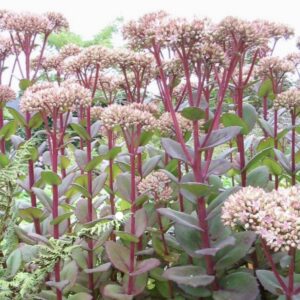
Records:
x=167, y=169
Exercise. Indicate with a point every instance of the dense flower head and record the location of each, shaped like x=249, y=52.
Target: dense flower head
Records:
x=166, y=126
x=96, y=112
x=32, y=23
x=110, y=83
x=240, y=31
x=6, y=47
x=294, y=58
x=171, y=68
x=141, y=34
x=157, y=186
x=127, y=117
x=209, y=53
x=49, y=97
x=129, y=59
x=89, y=58
x=53, y=62
x=69, y=50
x=289, y=99
x=57, y=21
x=275, y=216
x=6, y=94
x=180, y=32
x=275, y=67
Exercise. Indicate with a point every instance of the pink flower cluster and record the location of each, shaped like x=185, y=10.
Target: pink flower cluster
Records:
x=25, y=22
x=49, y=97
x=157, y=186
x=275, y=215
x=289, y=99
x=6, y=94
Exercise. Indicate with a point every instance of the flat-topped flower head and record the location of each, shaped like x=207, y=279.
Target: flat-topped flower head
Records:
x=274, y=67
x=109, y=84
x=289, y=99
x=171, y=68
x=142, y=34
x=69, y=50
x=157, y=186
x=127, y=117
x=89, y=58
x=49, y=63
x=209, y=53
x=96, y=112
x=6, y=47
x=6, y=94
x=242, y=208
x=275, y=215
x=180, y=32
x=166, y=126
x=57, y=22
x=26, y=22
x=294, y=58
x=240, y=32
x=129, y=59
x=50, y=98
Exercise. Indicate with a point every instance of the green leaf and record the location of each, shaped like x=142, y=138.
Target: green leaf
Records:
x=30, y=213
x=273, y=166
x=229, y=119
x=14, y=262
x=17, y=116
x=80, y=296
x=258, y=157
x=8, y=130
x=249, y=116
x=266, y=127
x=180, y=218
x=123, y=186
x=98, y=184
x=36, y=121
x=193, y=113
x=93, y=163
x=24, y=84
x=269, y=282
x=140, y=223
x=283, y=160
x=230, y=255
x=197, y=189
x=61, y=218
x=188, y=275
x=237, y=286
x=51, y=178
x=266, y=89
x=126, y=236
x=258, y=177
x=79, y=188
x=4, y=160
x=44, y=198
x=80, y=131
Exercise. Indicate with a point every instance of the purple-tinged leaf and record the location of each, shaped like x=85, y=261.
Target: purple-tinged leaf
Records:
x=102, y=268
x=114, y=291
x=60, y=285
x=180, y=218
x=188, y=275
x=140, y=223
x=118, y=255
x=229, y=241
x=145, y=266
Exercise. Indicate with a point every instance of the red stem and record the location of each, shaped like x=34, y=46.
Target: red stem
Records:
x=55, y=199
x=132, y=217
x=273, y=266
x=2, y=141
x=90, y=199
x=293, y=150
